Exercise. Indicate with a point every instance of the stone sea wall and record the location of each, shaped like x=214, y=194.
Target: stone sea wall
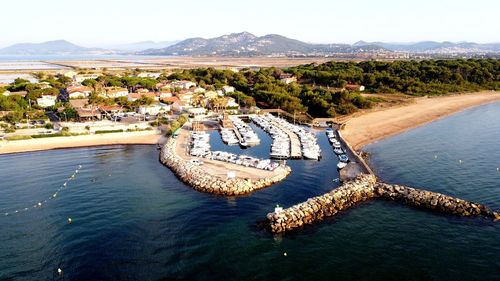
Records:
x=433, y=201
x=329, y=204
x=366, y=187
x=195, y=176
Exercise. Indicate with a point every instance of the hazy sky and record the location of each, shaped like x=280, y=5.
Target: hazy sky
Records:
x=105, y=22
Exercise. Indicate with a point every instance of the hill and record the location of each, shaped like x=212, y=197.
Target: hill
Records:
x=247, y=44
x=57, y=47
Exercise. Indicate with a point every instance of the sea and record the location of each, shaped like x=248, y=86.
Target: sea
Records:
x=132, y=219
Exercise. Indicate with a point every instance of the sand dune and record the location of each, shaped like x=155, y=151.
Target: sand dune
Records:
x=371, y=126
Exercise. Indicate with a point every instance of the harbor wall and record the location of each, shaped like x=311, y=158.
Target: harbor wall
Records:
x=195, y=176
x=366, y=187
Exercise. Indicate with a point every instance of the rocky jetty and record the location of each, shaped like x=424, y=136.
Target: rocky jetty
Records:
x=329, y=204
x=433, y=201
x=366, y=187
x=196, y=177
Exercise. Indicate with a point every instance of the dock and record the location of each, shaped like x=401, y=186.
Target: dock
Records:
x=295, y=150
x=238, y=135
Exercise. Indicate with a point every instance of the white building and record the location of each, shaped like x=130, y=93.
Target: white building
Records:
x=46, y=101
x=78, y=92
x=116, y=92
x=153, y=109
x=227, y=89
x=197, y=112
x=149, y=74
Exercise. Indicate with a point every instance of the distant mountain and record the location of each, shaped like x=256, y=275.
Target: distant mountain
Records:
x=144, y=45
x=57, y=47
x=247, y=44
x=432, y=47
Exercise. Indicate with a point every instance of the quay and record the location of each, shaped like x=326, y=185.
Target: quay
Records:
x=214, y=176
x=366, y=187
x=295, y=150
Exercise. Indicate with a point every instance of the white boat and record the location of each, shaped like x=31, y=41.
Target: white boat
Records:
x=341, y=165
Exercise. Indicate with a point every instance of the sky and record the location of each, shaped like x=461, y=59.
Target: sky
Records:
x=97, y=23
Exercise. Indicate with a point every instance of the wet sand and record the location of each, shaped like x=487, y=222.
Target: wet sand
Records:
x=371, y=126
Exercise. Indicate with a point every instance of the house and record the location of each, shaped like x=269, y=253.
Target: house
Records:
x=227, y=89
x=44, y=85
x=164, y=94
x=231, y=103
x=186, y=97
x=354, y=87
x=135, y=96
x=88, y=114
x=210, y=94
x=78, y=103
x=46, y=101
x=19, y=93
x=197, y=112
x=287, y=78
x=149, y=74
x=82, y=77
x=199, y=90
x=179, y=106
x=69, y=73
x=181, y=84
x=78, y=92
x=110, y=109
x=115, y=92
x=153, y=109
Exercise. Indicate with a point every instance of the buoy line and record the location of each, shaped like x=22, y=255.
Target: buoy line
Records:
x=41, y=203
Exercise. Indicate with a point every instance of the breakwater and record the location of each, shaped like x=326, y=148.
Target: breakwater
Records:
x=363, y=188
x=196, y=177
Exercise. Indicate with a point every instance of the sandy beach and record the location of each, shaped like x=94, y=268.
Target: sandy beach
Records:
x=367, y=127
x=142, y=137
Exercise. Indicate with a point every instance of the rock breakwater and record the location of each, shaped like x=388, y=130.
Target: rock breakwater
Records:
x=366, y=187
x=196, y=177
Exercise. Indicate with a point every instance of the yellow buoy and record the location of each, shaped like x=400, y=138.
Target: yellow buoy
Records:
x=70, y=220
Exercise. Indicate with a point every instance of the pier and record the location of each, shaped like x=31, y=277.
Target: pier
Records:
x=366, y=187
x=295, y=150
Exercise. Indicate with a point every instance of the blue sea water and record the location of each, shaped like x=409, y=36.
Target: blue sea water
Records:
x=133, y=220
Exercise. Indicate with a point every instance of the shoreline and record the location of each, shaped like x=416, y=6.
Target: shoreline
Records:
x=373, y=126
x=124, y=138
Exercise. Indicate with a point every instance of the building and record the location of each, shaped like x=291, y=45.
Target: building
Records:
x=186, y=97
x=135, y=96
x=287, y=78
x=227, y=89
x=179, y=106
x=197, y=112
x=82, y=77
x=231, y=103
x=199, y=90
x=46, y=101
x=149, y=74
x=153, y=109
x=115, y=92
x=88, y=114
x=19, y=93
x=164, y=94
x=78, y=92
x=181, y=84
x=354, y=87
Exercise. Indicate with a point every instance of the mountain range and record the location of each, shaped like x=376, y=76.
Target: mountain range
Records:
x=57, y=47
x=246, y=44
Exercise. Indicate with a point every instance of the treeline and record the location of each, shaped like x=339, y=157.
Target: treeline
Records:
x=264, y=88
x=426, y=77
